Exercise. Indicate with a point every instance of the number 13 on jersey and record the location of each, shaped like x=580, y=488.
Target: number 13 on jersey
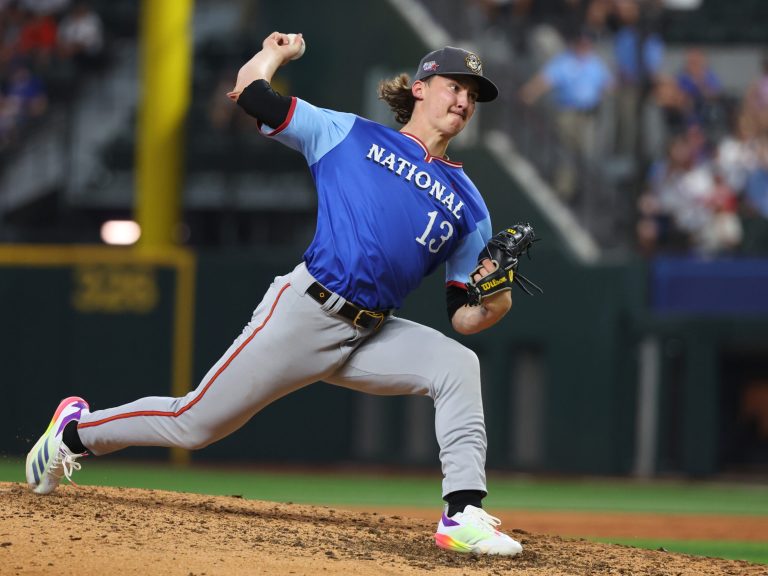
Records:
x=435, y=244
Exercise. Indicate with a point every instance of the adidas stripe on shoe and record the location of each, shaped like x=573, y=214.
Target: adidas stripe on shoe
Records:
x=50, y=459
x=474, y=531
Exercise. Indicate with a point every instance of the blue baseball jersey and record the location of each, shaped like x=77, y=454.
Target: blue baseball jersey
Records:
x=389, y=213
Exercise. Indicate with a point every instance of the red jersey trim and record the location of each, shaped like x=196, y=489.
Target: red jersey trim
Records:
x=461, y=285
x=205, y=388
x=285, y=123
x=427, y=156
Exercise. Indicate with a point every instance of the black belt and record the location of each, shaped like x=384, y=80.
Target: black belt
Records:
x=359, y=317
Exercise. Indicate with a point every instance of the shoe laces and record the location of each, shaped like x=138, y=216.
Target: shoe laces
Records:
x=64, y=463
x=480, y=518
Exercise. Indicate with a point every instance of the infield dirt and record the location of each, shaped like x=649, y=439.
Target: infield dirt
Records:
x=97, y=531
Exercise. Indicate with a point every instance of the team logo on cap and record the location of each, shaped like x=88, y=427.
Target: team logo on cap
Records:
x=430, y=66
x=473, y=63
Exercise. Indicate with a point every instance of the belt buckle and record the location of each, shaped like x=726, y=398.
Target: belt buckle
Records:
x=379, y=316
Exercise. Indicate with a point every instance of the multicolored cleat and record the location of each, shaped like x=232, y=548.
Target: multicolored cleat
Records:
x=474, y=531
x=50, y=459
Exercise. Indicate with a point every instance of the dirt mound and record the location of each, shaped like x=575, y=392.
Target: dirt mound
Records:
x=97, y=531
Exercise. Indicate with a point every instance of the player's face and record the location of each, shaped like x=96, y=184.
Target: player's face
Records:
x=450, y=102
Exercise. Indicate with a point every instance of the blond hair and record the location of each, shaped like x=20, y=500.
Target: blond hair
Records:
x=396, y=92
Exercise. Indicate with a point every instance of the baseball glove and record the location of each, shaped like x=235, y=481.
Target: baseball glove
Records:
x=504, y=251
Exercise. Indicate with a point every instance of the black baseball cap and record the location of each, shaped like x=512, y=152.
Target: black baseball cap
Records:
x=450, y=61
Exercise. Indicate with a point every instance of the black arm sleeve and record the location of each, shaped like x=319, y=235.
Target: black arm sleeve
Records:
x=263, y=103
x=455, y=298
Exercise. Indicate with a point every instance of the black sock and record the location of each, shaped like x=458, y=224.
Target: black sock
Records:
x=461, y=498
x=72, y=439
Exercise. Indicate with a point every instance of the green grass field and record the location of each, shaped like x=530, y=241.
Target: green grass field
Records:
x=370, y=489
x=751, y=551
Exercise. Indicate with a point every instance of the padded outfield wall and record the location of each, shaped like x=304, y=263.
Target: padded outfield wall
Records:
x=560, y=373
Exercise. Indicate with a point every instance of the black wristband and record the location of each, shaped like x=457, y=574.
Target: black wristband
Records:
x=455, y=298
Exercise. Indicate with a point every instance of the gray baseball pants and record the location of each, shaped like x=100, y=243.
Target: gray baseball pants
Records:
x=292, y=341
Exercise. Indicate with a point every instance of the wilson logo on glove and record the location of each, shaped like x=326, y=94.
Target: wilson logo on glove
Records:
x=493, y=283
x=504, y=251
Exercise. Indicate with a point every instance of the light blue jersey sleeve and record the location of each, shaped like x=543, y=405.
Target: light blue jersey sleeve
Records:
x=311, y=130
x=464, y=259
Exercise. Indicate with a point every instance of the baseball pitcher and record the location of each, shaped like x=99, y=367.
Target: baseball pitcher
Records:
x=392, y=207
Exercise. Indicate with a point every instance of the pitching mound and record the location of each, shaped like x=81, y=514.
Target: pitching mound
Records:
x=96, y=531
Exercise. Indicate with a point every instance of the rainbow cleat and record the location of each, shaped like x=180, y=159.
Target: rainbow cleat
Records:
x=50, y=459
x=474, y=531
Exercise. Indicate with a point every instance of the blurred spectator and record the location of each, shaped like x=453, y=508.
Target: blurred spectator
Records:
x=39, y=59
x=756, y=189
x=639, y=55
x=737, y=153
x=756, y=99
x=699, y=143
x=656, y=225
x=81, y=37
x=702, y=88
x=23, y=100
x=672, y=103
x=579, y=79
x=724, y=232
x=688, y=204
x=37, y=40
x=26, y=94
